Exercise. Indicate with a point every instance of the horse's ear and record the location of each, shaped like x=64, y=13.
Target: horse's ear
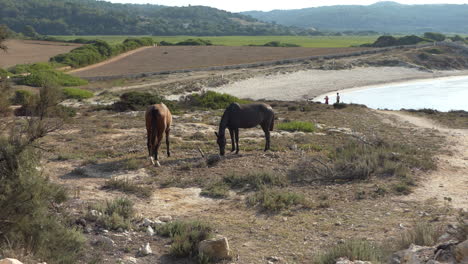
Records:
x=216, y=134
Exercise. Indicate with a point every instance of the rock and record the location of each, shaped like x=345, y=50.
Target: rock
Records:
x=81, y=222
x=347, y=261
x=158, y=222
x=145, y=251
x=10, y=261
x=94, y=213
x=215, y=248
x=414, y=255
x=165, y=218
x=149, y=231
x=105, y=241
x=147, y=222
x=273, y=259
x=129, y=260
x=461, y=252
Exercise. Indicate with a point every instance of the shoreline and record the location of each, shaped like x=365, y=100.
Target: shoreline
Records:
x=458, y=75
x=311, y=84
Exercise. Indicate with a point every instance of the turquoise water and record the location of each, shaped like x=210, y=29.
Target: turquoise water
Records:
x=443, y=94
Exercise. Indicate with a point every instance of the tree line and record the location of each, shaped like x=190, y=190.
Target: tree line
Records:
x=92, y=17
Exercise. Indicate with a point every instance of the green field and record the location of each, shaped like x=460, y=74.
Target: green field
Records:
x=304, y=41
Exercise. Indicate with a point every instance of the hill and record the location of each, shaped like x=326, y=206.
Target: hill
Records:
x=92, y=17
x=388, y=17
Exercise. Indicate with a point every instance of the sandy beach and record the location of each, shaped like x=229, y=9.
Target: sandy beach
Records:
x=307, y=84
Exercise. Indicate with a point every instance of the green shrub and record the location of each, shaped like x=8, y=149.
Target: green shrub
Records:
x=29, y=222
x=137, y=101
x=434, y=51
x=114, y=214
x=195, y=42
x=275, y=200
x=127, y=186
x=434, y=36
x=339, y=105
x=43, y=74
x=216, y=190
x=279, y=44
x=353, y=250
x=422, y=234
x=76, y=93
x=296, y=126
x=21, y=97
x=213, y=100
x=186, y=235
x=255, y=180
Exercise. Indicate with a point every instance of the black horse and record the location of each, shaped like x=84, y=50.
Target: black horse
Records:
x=244, y=116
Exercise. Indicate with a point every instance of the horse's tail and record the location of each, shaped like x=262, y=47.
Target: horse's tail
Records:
x=272, y=124
x=154, y=123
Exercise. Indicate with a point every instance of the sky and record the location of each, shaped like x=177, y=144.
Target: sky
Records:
x=267, y=5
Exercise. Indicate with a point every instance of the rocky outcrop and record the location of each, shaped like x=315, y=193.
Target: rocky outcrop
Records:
x=215, y=248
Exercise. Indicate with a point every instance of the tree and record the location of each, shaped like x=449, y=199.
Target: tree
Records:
x=434, y=36
x=29, y=31
x=4, y=34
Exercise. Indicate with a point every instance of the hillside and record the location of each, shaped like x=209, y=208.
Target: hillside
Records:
x=91, y=17
x=388, y=17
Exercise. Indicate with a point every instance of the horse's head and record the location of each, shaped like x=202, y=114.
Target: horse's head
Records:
x=221, y=143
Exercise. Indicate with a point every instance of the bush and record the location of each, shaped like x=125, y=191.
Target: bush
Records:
x=43, y=74
x=127, y=186
x=422, y=234
x=114, y=214
x=29, y=221
x=21, y=97
x=216, y=190
x=339, y=105
x=212, y=100
x=434, y=36
x=353, y=250
x=296, y=126
x=134, y=101
x=195, y=42
x=279, y=44
x=255, y=180
x=76, y=93
x=275, y=200
x=185, y=236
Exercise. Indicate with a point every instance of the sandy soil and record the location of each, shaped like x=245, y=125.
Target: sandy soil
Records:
x=166, y=58
x=31, y=51
x=450, y=181
x=307, y=84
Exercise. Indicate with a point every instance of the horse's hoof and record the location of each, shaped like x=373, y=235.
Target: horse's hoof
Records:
x=152, y=160
x=158, y=164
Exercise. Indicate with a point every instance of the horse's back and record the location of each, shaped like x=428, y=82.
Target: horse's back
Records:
x=249, y=115
x=160, y=113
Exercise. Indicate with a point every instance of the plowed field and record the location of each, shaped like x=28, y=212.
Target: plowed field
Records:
x=157, y=59
x=30, y=51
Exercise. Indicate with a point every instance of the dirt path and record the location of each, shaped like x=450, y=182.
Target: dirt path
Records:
x=114, y=59
x=450, y=180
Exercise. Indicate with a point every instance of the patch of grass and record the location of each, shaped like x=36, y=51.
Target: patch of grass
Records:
x=21, y=97
x=296, y=126
x=355, y=249
x=114, y=214
x=275, y=200
x=76, y=93
x=127, y=186
x=186, y=235
x=212, y=100
x=131, y=164
x=216, y=190
x=422, y=234
x=339, y=105
x=41, y=74
x=255, y=180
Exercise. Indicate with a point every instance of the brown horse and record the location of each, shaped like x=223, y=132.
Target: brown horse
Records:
x=244, y=116
x=158, y=120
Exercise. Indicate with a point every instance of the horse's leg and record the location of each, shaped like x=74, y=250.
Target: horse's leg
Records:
x=231, y=132
x=167, y=141
x=236, y=132
x=266, y=129
x=158, y=144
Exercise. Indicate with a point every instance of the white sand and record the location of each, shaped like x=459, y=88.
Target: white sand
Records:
x=304, y=85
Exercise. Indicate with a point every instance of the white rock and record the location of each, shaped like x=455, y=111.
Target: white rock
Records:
x=102, y=240
x=158, y=222
x=10, y=261
x=149, y=231
x=129, y=260
x=215, y=248
x=146, y=250
x=461, y=252
x=165, y=218
x=147, y=222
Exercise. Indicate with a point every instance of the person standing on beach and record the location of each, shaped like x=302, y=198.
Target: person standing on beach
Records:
x=326, y=99
x=337, y=98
